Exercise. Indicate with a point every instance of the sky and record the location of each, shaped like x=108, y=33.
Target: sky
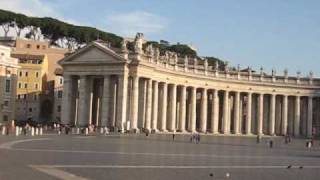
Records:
x=271, y=34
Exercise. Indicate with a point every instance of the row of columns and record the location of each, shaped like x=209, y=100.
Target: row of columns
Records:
x=161, y=113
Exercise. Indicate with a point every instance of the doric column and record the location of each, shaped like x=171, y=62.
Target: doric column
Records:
x=182, y=115
x=164, y=107
x=193, y=118
x=297, y=117
x=284, y=114
x=237, y=113
x=215, y=112
x=105, y=117
x=134, y=103
x=272, y=122
x=149, y=104
x=226, y=124
x=122, y=101
x=203, y=114
x=155, y=106
x=260, y=114
x=84, y=99
x=310, y=114
x=249, y=108
x=66, y=114
x=173, y=108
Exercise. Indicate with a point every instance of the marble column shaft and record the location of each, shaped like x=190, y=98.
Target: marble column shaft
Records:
x=215, y=112
x=122, y=101
x=237, y=113
x=249, y=110
x=284, y=114
x=182, y=116
x=203, y=114
x=106, y=102
x=164, y=107
x=310, y=116
x=192, y=127
x=260, y=114
x=149, y=104
x=272, y=122
x=134, y=103
x=226, y=124
x=297, y=117
x=155, y=106
x=173, y=108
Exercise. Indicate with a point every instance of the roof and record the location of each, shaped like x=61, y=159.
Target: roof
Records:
x=28, y=56
x=58, y=71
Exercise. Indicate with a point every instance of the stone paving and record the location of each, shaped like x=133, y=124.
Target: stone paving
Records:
x=137, y=156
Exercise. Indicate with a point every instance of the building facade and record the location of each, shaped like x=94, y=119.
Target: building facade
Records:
x=36, y=77
x=145, y=90
x=8, y=80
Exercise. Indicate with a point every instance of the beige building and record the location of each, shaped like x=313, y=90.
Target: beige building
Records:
x=143, y=90
x=8, y=80
x=36, y=78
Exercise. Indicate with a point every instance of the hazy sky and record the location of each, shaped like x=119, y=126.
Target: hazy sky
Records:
x=271, y=33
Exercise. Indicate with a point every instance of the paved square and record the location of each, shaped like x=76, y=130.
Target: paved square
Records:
x=155, y=157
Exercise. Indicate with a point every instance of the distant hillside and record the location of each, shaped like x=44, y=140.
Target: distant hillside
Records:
x=59, y=32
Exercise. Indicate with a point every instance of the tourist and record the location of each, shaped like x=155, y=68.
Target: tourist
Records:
x=173, y=136
x=191, y=137
x=258, y=138
x=271, y=143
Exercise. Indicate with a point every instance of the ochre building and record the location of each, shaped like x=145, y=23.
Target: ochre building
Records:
x=145, y=90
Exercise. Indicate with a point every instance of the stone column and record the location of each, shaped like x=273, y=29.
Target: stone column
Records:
x=134, y=103
x=182, y=116
x=310, y=117
x=297, y=117
x=122, y=101
x=193, y=118
x=249, y=108
x=84, y=100
x=149, y=105
x=67, y=114
x=272, y=122
x=173, y=107
x=226, y=124
x=155, y=106
x=237, y=113
x=105, y=116
x=164, y=107
x=203, y=114
x=215, y=113
x=284, y=114
x=260, y=115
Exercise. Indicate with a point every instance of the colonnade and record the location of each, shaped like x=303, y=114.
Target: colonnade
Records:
x=138, y=103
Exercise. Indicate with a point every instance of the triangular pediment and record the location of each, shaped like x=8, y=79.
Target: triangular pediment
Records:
x=94, y=53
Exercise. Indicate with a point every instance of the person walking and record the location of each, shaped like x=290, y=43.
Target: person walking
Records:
x=271, y=143
x=173, y=136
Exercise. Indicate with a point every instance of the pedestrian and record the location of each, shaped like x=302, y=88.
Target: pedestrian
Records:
x=271, y=143
x=258, y=138
x=173, y=136
x=191, y=138
x=198, y=138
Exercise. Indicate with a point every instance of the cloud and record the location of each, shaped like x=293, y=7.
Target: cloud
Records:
x=34, y=8
x=128, y=24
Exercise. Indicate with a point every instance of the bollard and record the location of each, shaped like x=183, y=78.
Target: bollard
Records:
x=41, y=131
x=17, y=131
x=37, y=132
x=86, y=131
x=3, y=130
x=32, y=131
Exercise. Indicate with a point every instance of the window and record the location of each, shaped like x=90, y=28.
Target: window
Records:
x=24, y=96
x=5, y=118
x=20, y=73
x=59, y=108
x=8, y=84
x=30, y=109
x=43, y=47
x=37, y=74
x=2, y=54
x=28, y=45
x=6, y=103
x=61, y=80
x=19, y=96
x=38, y=46
x=59, y=94
x=26, y=73
x=35, y=97
x=36, y=85
x=19, y=85
x=25, y=85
